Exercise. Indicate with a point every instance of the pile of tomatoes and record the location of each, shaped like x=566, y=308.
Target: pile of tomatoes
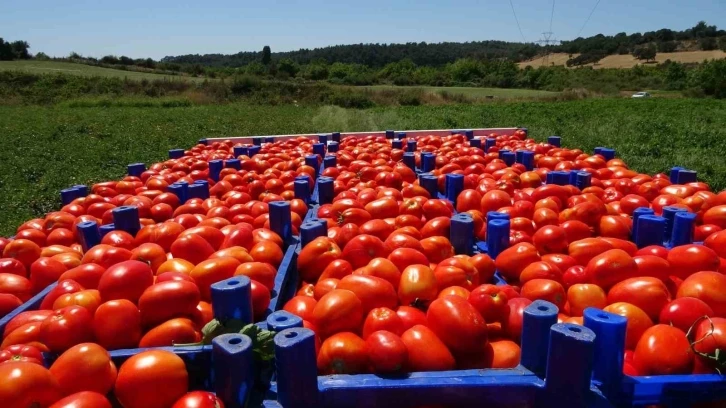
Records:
x=84, y=375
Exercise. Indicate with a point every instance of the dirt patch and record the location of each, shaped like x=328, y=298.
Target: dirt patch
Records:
x=628, y=61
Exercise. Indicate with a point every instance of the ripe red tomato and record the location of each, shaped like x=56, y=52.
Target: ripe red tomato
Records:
x=192, y=248
x=84, y=367
x=583, y=295
x=83, y=399
x=64, y=287
x=688, y=259
x=663, y=350
x=260, y=299
x=15, y=285
x=511, y=262
x=339, y=310
x=417, y=282
x=212, y=271
x=717, y=242
x=23, y=250
x=491, y=302
x=655, y=250
x=360, y=250
x=437, y=248
x=66, y=327
x=545, y=289
x=550, y=239
x=117, y=324
x=426, y=352
x=586, y=249
x=263, y=273
x=316, y=256
x=710, y=337
x=199, y=399
x=540, y=270
x=457, y=323
x=683, y=312
x=710, y=287
x=403, y=257
x=171, y=332
x=411, y=316
x=343, y=353
x=638, y=321
x=649, y=294
x=22, y=352
x=372, y=291
x=125, y=280
x=25, y=384
x=45, y=271
x=382, y=318
x=165, y=300
x=301, y=306
x=106, y=255
x=13, y=266
x=151, y=254
x=513, y=325
x=153, y=378
x=610, y=267
x=386, y=352
x=87, y=275
x=88, y=298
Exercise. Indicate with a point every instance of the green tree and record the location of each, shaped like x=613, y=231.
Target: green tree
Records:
x=266, y=55
x=708, y=43
x=20, y=49
x=255, y=68
x=41, y=56
x=288, y=67
x=646, y=53
x=675, y=76
x=722, y=43
x=6, y=51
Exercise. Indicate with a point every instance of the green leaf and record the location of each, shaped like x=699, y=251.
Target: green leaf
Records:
x=263, y=344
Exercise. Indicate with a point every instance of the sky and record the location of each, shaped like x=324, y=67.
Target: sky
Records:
x=157, y=28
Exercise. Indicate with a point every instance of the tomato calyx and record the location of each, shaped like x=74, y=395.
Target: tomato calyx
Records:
x=263, y=345
x=420, y=304
x=718, y=357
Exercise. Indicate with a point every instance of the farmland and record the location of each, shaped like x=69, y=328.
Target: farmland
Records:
x=473, y=92
x=627, y=60
x=50, y=148
x=52, y=67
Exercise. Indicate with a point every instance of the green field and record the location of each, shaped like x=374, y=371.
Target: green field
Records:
x=473, y=92
x=49, y=148
x=50, y=67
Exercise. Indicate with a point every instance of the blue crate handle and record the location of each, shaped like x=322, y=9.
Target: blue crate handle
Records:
x=597, y=150
x=400, y=135
x=269, y=139
x=198, y=190
x=257, y=141
x=674, y=174
x=488, y=143
x=325, y=190
x=233, y=164
x=683, y=224
x=232, y=299
x=428, y=162
x=68, y=195
x=411, y=145
x=282, y=320
x=280, y=219
x=497, y=236
x=509, y=158
x=302, y=189
x=126, y=218
x=312, y=229
x=312, y=161
x=637, y=213
x=176, y=153
x=336, y=137
x=687, y=176
x=396, y=144
x=253, y=150
x=461, y=233
x=330, y=161
x=560, y=178
x=239, y=151
x=233, y=365
x=469, y=134
x=105, y=229
x=583, y=180
x=135, y=169
x=570, y=361
x=333, y=147
x=454, y=186
x=297, y=372
x=82, y=190
x=607, y=153
x=519, y=156
x=323, y=138
x=180, y=190
x=651, y=230
x=669, y=213
x=89, y=235
x=555, y=141
x=390, y=134
x=538, y=318
x=215, y=167
x=430, y=183
x=319, y=149
x=409, y=159
x=609, y=352
x=528, y=160
x=475, y=142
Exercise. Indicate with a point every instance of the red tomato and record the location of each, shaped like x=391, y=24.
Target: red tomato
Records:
x=511, y=262
x=165, y=300
x=301, y=306
x=610, y=267
x=13, y=266
x=212, y=271
x=315, y=257
x=22, y=318
x=343, y=353
x=199, y=399
x=545, y=289
x=583, y=295
x=417, y=282
x=576, y=230
x=373, y=292
x=650, y=294
x=386, y=352
x=45, y=271
x=64, y=287
x=382, y=318
x=655, y=250
x=586, y=249
x=503, y=354
x=84, y=367
x=638, y=322
x=83, y=399
x=540, y=270
x=717, y=242
x=468, y=200
x=192, y=248
x=338, y=269
x=106, y=255
x=263, y=273
x=87, y=275
x=426, y=352
x=683, y=312
x=437, y=248
x=169, y=333
x=513, y=325
x=66, y=327
x=339, y=310
x=411, y=316
x=125, y=280
x=260, y=299
x=24, y=384
x=360, y=250
x=150, y=253
x=653, y=266
x=89, y=298
x=710, y=338
x=403, y=257
x=710, y=287
x=688, y=259
x=550, y=239
x=491, y=302
x=457, y=323
x=117, y=324
x=663, y=350
x=153, y=378
x=22, y=352
x=23, y=250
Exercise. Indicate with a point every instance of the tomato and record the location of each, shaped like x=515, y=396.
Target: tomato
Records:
x=418, y=282
x=212, y=271
x=545, y=289
x=437, y=208
x=610, y=267
x=268, y=252
x=513, y=325
x=457, y=323
x=426, y=352
x=24, y=384
x=401, y=240
x=301, y=306
x=260, y=299
x=655, y=250
x=23, y=250
x=192, y=248
x=649, y=294
x=88, y=298
x=511, y=262
x=360, y=250
x=688, y=259
x=315, y=257
x=683, y=312
x=165, y=300
x=263, y=273
x=468, y=200
x=169, y=333
x=13, y=266
x=106, y=255
x=84, y=367
x=439, y=226
x=491, y=302
x=337, y=269
x=638, y=321
x=485, y=265
x=343, y=353
x=199, y=399
x=411, y=316
x=117, y=324
x=22, y=352
x=503, y=354
x=22, y=318
x=339, y=310
x=717, y=242
x=437, y=248
x=64, y=287
x=66, y=327
x=15, y=285
x=615, y=227
x=175, y=265
x=715, y=215
x=153, y=378
x=150, y=253
x=386, y=352
x=663, y=350
x=87, y=275
x=8, y=303
x=586, y=249
x=710, y=341
x=83, y=399
x=404, y=257
x=125, y=280
x=240, y=235
x=550, y=239
x=710, y=287
x=576, y=230
x=583, y=295
x=385, y=207
x=540, y=270
x=372, y=291
x=382, y=318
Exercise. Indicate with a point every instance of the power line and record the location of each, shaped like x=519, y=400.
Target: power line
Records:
x=517, y=20
x=588, y=19
x=552, y=16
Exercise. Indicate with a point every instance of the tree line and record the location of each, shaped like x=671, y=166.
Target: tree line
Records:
x=15, y=50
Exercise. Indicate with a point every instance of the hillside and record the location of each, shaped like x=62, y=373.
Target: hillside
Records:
x=628, y=61
x=49, y=67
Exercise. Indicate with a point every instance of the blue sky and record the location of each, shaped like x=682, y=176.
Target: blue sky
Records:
x=155, y=28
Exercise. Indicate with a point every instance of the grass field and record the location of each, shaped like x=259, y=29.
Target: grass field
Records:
x=627, y=60
x=49, y=148
x=49, y=67
x=473, y=92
